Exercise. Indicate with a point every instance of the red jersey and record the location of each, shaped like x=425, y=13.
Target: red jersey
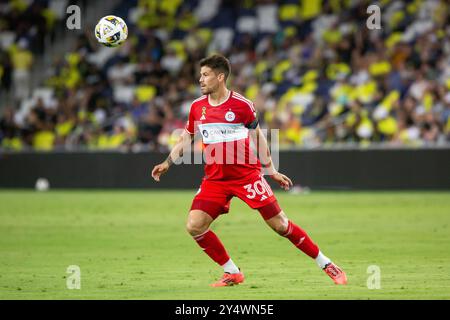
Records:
x=225, y=134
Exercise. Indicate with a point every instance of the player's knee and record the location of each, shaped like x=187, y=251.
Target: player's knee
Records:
x=279, y=223
x=281, y=229
x=196, y=226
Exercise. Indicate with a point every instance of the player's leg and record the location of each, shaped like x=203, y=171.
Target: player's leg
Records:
x=279, y=222
x=256, y=192
x=212, y=200
x=197, y=225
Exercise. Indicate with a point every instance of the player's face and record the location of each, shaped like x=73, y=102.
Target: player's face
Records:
x=209, y=80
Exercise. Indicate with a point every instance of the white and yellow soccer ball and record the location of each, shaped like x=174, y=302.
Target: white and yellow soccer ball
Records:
x=111, y=31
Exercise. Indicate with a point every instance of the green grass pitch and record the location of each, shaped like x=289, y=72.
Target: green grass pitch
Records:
x=133, y=245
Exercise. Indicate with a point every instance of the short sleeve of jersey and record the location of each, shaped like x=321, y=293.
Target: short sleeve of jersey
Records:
x=190, y=123
x=252, y=119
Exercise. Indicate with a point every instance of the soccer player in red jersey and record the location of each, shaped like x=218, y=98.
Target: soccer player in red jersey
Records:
x=225, y=120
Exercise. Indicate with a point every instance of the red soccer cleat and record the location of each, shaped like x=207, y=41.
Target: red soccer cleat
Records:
x=229, y=279
x=335, y=273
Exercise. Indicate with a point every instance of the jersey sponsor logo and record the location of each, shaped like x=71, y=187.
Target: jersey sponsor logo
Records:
x=222, y=132
x=230, y=116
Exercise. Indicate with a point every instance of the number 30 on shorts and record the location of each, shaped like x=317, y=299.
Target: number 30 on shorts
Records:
x=259, y=187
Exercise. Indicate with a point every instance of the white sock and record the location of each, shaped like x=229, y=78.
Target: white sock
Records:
x=230, y=267
x=322, y=260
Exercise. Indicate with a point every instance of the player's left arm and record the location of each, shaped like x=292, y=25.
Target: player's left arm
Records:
x=265, y=158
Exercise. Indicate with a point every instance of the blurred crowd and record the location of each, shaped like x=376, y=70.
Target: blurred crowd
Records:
x=26, y=28
x=313, y=69
x=23, y=29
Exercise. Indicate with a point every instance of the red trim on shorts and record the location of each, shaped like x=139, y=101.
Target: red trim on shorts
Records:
x=270, y=210
x=213, y=209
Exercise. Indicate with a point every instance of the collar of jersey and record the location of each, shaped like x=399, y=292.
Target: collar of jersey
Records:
x=216, y=105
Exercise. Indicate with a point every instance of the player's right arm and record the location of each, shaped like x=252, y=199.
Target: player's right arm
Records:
x=177, y=151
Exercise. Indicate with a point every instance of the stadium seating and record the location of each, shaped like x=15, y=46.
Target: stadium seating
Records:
x=313, y=69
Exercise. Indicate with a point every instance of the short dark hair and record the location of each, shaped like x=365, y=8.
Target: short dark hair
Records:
x=218, y=63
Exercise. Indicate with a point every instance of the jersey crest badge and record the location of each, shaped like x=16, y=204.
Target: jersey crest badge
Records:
x=230, y=116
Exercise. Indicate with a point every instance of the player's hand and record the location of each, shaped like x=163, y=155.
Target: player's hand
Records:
x=282, y=180
x=159, y=170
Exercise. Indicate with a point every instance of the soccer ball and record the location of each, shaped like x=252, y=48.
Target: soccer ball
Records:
x=42, y=184
x=111, y=31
